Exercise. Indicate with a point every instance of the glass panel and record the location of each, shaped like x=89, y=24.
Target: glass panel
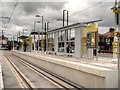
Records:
x=69, y=35
x=61, y=35
x=72, y=34
x=48, y=37
x=61, y=46
x=51, y=42
x=70, y=47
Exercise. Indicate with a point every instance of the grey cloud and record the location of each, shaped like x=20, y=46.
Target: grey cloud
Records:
x=56, y=5
x=25, y=14
x=7, y=8
x=102, y=11
x=31, y=7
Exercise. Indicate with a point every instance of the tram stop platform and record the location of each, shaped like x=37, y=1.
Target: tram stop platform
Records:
x=87, y=73
x=1, y=78
x=103, y=60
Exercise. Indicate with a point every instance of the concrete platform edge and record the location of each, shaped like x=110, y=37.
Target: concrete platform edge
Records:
x=1, y=74
x=104, y=74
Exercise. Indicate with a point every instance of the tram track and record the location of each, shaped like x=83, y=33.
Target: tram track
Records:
x=23, y=81
x=66, y=85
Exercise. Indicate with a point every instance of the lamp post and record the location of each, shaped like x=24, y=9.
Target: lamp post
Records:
x=42, y=33
x=38, y=36
x=19, y=36
x=47, y=35
x=2, y=31
x=63, y=19
x=34, y=34
x=13, y=41
x=2, y=37
x=46, y=30
x=48, y=26
x=24, y=31
x=10, y=40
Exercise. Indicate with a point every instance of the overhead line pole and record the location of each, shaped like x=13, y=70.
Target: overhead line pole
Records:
x=2, y=37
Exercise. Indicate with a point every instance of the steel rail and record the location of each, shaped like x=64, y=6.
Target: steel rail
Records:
x=26, y=84
x=67, y=84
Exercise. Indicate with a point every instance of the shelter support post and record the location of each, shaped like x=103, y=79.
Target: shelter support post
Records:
x=78, y=42
x=90, y=53
x=56, y=42
x=30, y=45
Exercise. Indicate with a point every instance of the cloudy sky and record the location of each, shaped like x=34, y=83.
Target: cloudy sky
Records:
x=23, y=15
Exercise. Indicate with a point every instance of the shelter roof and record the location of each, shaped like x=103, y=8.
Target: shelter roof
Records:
x=23, y=37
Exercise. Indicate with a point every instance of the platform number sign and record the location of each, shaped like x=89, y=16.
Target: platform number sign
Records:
x=88, y=39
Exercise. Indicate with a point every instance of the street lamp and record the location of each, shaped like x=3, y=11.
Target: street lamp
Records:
x=24, y=30
x=42, y=32
x=38, y=36
x=63, y=19
x=63, y=16
x=13, y=41
x=46, y=38
x=19, y=36
x=42, y=20
x=2, y=37
x=48, y=25
x=10, y=39
x=34, y=31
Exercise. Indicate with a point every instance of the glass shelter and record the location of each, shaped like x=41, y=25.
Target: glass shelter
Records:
x=66, y=40
x=72, y=39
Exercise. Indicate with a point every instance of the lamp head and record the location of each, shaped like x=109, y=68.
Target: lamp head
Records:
x=38, y=16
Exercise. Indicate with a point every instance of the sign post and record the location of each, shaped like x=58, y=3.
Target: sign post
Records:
x=116, y=11
x=92, y=38
x=118, y=53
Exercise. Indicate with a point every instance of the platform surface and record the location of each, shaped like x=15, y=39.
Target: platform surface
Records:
x=1, y=78
x=102, y=61
x=102, y=70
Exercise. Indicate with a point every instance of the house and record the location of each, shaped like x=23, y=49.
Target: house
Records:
x=106, y=40
x=3, y=41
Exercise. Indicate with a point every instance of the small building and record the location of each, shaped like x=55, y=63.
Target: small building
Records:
x=105, y=41
x=3, y=41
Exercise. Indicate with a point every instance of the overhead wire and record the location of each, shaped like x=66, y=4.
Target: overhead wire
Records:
x=54, y=21
x=87, y=8
x=8, y=4
x=13, y=11
x=81, y=11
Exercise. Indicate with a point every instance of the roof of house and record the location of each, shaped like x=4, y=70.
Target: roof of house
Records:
x=109, y=34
